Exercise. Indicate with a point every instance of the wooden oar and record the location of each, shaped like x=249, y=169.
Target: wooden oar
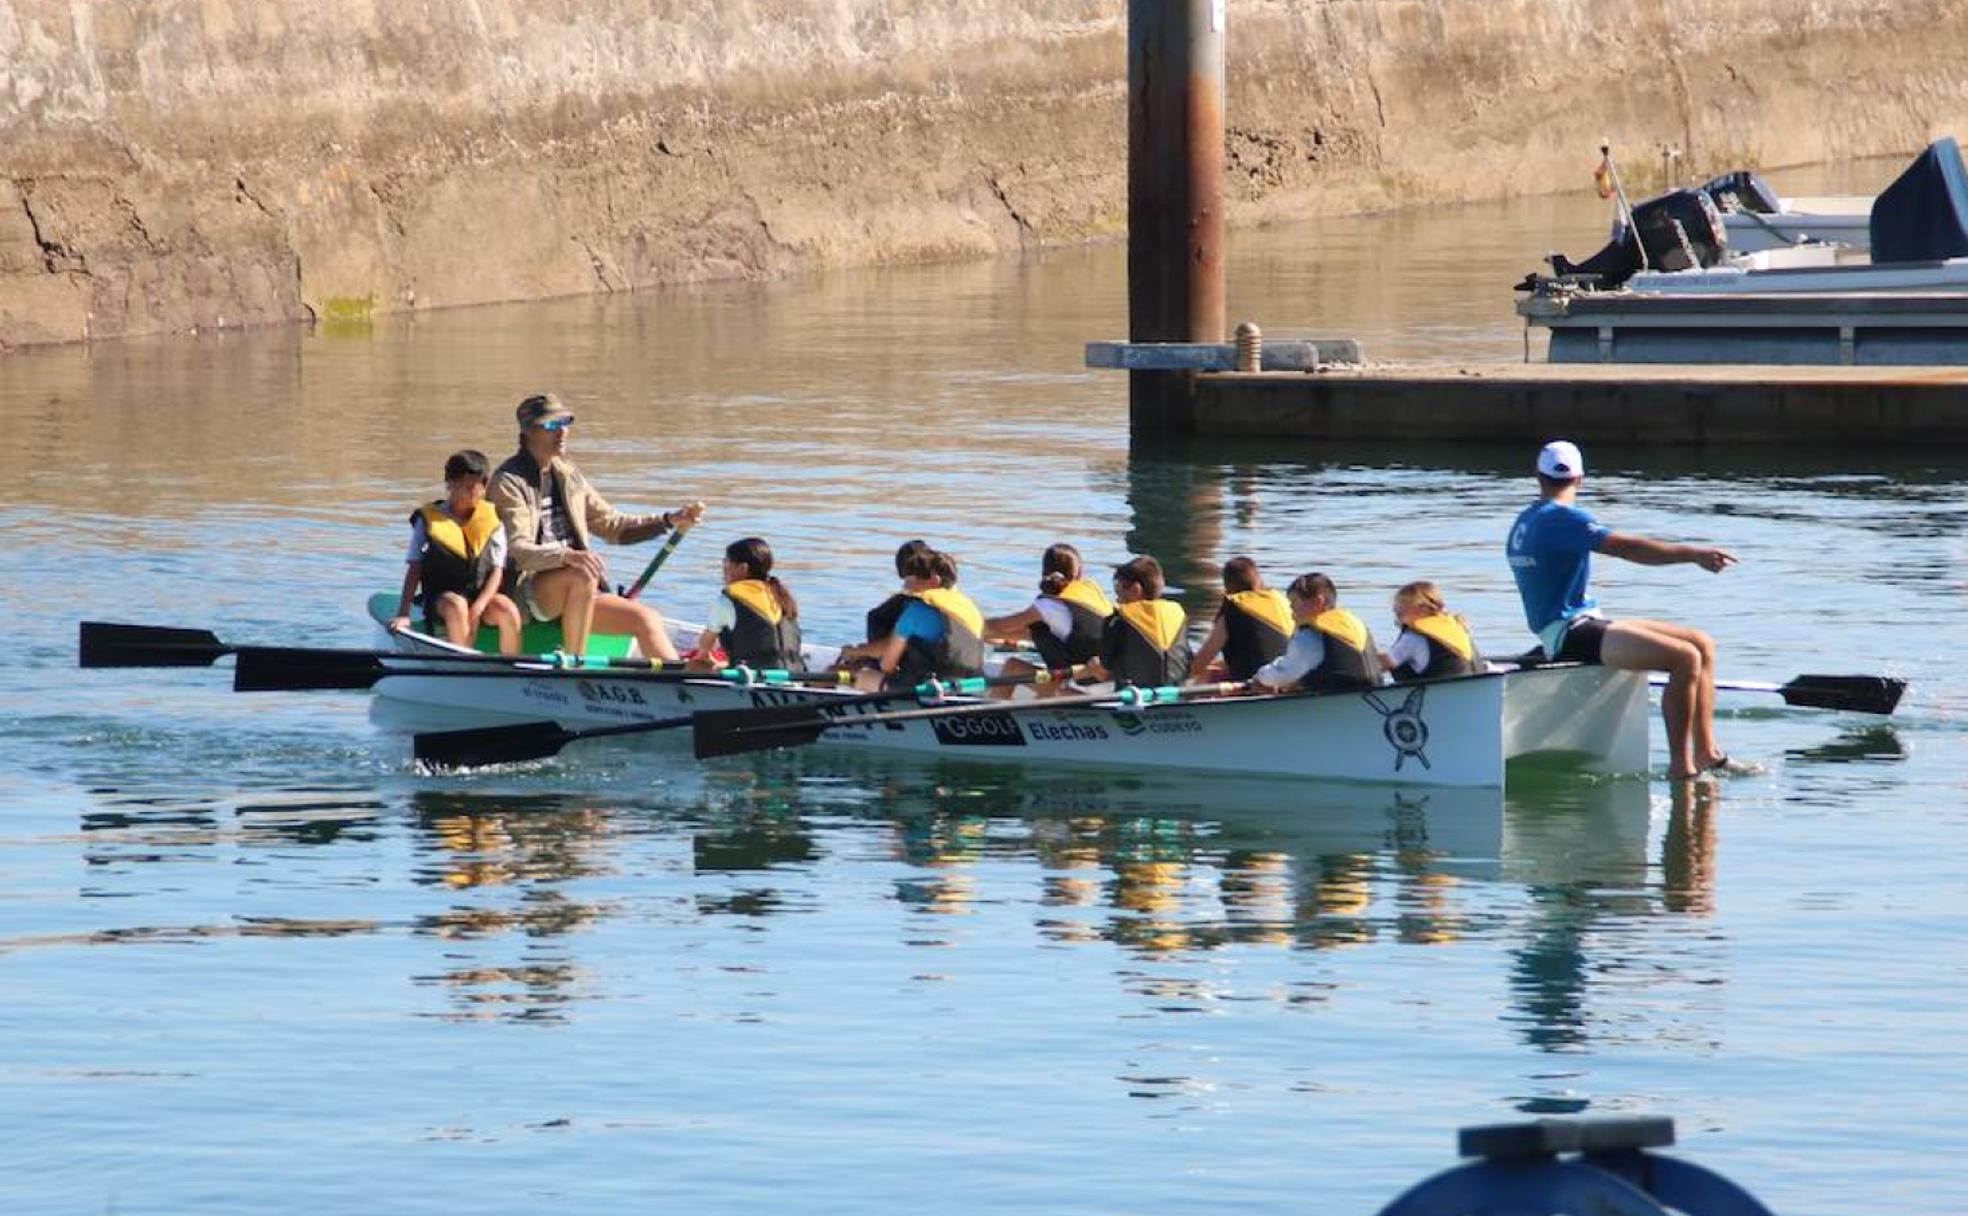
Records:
x=655, y=564
x=731, y=732
x=477, y=747
x=1854, y=694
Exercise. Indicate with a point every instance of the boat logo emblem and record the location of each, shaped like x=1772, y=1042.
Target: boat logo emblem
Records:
x=1403, y=726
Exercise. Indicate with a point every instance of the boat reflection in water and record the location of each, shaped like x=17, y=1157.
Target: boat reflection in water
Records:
x=509, y=881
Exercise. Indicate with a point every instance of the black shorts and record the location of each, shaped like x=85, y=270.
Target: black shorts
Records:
x=1583, y=639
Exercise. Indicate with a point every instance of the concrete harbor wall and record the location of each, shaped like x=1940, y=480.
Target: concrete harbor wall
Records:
x=169, y=165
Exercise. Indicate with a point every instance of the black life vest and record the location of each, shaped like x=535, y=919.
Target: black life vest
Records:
x=1147, y=644
x=958, y=655
x=1088, y=606
x=451, y=558
x=882, y=617
x=1257, y=627
x=764, y=636
x=1451, y=651
x=1350, y=661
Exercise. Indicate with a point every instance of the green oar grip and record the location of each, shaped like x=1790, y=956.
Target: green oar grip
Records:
x=1164, y=695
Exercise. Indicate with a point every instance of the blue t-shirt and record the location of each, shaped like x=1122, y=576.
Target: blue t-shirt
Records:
x=1550, y=552
x=921, y=623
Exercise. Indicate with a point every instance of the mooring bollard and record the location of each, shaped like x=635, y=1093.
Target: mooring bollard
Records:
x=1523, y=1172
x=1250, y=347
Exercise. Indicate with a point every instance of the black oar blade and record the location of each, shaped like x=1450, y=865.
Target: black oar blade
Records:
x=108, y=645
x=283, y=669
x=735, y=732
x=491, y=745
x=1858, y=694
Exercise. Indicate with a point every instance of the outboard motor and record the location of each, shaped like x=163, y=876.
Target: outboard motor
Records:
x=1679, y=230
x=1743, y=190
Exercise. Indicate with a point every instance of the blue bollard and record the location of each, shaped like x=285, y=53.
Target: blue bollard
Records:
x=1523, y=1172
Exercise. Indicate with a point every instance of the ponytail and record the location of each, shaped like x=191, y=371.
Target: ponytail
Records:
x=788, y=606
x=1059, y=568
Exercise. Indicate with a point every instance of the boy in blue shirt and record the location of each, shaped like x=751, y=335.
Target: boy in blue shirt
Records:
x=1551, y=547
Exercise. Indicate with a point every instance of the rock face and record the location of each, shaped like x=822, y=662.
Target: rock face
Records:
x=187, y=164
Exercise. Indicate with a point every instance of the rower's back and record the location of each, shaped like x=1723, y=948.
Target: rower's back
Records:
x=1147, y=642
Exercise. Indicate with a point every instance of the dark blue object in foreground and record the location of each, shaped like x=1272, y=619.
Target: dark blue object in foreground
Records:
x=1524, y=1171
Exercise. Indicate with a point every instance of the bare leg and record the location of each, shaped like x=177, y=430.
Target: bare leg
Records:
x=455, y=614
x=1707, y=751
x=567, y=595
x=614, y=614
x=1633, y=646
x=1019, y=669
x=502, y=614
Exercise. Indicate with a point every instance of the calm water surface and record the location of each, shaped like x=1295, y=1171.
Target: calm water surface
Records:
x=251, y=961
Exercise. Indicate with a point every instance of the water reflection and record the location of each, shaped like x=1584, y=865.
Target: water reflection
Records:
x=1582, y=856
x=471, y=843
x=1872, y=744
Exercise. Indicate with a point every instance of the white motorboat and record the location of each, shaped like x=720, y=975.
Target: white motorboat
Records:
x=1674, y=287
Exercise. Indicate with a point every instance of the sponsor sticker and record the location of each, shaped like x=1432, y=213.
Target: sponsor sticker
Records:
x=620, y=694
x=978, y=730
x=540, y=690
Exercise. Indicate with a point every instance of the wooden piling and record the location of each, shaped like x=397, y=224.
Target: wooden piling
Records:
x=1175, y=192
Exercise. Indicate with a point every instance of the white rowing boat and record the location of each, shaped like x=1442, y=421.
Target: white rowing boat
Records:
x=1458, y=732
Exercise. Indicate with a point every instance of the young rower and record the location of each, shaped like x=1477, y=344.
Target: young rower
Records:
x=1147, y=640
x=881, y=618
x=1332, y=649
x=1068, y=620
x=755, y=621
x=457, y=560
x=937, y=633
x=1434, y=642
x=1253, y=624
x=1550, y=548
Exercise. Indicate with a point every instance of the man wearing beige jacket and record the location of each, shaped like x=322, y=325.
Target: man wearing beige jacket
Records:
x=550, y=513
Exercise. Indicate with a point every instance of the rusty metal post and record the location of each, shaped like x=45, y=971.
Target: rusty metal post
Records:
x=1175, y=193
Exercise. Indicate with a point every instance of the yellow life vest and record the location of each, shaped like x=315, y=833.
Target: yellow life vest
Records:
x=1267, y=606
x=1146, y=646
x=461, y=540
x=762, y=635
x=1350, y=660
x=1257, y=627
x=1343, y=626
x=755, y=594
x=1448, y=631
x=956, y=608
x=1087, y=594
x=961, y=652
x=1088, y=611
x=450, y=561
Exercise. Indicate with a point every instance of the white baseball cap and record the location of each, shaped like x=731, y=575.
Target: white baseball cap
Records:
x=1561, y=460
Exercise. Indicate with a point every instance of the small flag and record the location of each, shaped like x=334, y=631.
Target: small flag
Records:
x=1602, y=177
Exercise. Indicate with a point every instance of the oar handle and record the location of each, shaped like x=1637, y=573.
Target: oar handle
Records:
x=655, y=564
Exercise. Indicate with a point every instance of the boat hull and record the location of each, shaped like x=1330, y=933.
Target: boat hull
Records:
x=1458, y=732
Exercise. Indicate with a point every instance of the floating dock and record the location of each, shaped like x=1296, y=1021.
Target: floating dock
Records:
x=1628, y=404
